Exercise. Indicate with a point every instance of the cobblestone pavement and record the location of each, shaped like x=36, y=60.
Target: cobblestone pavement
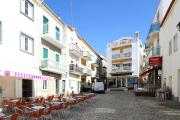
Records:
x=123, y=105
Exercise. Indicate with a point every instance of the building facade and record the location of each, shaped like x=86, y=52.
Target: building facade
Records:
x=83, y=60
x=39, y=54
x=124, y=58
x=169, y=42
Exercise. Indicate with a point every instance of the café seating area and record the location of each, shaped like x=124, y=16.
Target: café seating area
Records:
x=52, y=106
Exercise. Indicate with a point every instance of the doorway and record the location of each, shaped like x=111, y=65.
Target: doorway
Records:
x=57, y=86
x=26, y=88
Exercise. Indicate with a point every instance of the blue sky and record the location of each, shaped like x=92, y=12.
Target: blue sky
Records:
x=102, y=21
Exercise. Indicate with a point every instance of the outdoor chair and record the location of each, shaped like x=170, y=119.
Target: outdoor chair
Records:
x=11, y=117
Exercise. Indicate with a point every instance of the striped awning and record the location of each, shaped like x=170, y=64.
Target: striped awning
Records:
x=25, y=75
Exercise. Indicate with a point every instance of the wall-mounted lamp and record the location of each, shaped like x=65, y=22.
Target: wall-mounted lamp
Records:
x=178, y=26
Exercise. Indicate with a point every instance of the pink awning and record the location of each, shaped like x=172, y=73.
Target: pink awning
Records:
x=25, y=75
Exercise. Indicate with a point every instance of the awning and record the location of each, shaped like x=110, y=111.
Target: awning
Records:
x=24, y=75
x=149, y=70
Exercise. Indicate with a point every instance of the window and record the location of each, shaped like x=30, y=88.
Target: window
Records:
x=45, y=53
x=26, y=43
x=45, y=85
x=0, y=33
x=27, y=8
x=45, y=25
x=175, y=42
x=57, y=33
x=170, y=47
x=57, y=58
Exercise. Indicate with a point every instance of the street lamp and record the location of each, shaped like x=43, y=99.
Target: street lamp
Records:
x=178, y=26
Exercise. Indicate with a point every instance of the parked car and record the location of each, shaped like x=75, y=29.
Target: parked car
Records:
x=98, y=87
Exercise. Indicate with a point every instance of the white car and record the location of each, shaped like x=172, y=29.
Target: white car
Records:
x=98, y=87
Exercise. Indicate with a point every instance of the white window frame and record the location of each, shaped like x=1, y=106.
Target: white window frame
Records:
x=23, y=9
x=21, y=42
x=45, y=85
x=175, y=41
x=0, y=32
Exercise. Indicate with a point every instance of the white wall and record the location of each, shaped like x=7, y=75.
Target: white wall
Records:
x=171, y=63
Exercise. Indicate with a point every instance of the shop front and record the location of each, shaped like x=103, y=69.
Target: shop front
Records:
x=17, y=84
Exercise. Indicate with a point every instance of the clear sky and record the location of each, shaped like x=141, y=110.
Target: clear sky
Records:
x=102, y=21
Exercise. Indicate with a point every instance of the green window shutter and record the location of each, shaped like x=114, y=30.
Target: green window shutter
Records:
x=57, y=58
x=45, y=53
x=45, y=25
x=57, y=33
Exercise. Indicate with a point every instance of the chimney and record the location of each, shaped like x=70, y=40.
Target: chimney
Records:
x=137, y=35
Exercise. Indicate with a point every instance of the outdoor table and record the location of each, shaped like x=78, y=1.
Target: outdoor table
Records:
x=14, y=100
x=2, y=114
x=37, y=107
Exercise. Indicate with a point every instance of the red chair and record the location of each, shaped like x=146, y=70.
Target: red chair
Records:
x=47, y=112
x=12, y=117
x=37, y=114
x=5, y=104
x=1, y=118
x=24, y=113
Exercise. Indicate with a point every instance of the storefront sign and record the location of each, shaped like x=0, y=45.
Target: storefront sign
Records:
x=155, y=60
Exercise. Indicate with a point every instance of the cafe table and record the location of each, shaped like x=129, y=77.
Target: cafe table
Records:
x=37, y=107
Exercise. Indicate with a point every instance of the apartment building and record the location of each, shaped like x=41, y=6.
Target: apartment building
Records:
x=32, y=49
x=82, y=61
x=169, y=42
x=124, y=58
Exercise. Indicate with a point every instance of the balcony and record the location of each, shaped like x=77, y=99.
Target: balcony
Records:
x=124, y=69
x=122, y=55
x=153, y=52
x=153, y=33
x=95, y=63
x=128, y=54
x=87, y=56
x=74, y=69
x=50, y=35
x=117, y=56
x=87, y=72
x=52, y=66
x=156, y=51
x=74, y=49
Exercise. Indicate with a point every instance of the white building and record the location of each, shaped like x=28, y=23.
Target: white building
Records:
x=124, y=58
x=170, y=47
x=31, y=49
x=82, y=61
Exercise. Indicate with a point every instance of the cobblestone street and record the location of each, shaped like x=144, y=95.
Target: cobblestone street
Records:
x=123, y=105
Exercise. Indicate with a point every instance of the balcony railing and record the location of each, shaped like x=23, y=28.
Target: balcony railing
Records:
x=95, y=62
x=73, y=48
x=121, y=69
x=128, y=54
x=116, y=56
x=52, y=66
x=52, y=36
x=156, y=51
x=122, y=55
x=154, y=28
x=87, y=72
x=75, y=69
x=87, y=55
